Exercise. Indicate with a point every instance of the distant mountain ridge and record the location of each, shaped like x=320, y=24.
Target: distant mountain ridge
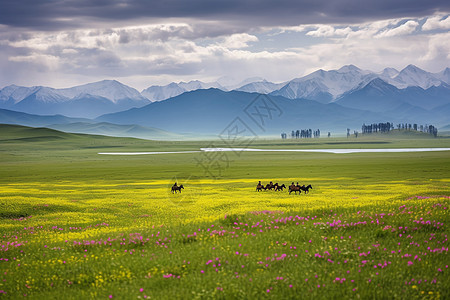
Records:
x=112, y=96
x=323, y=86
x=327, y=86
x=87, y=101
x=211, y=111
x=329, y=100
x=158, y=93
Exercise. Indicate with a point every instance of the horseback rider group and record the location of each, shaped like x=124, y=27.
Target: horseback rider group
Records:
x=292, y=188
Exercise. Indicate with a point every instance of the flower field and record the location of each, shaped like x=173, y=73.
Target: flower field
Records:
x=223, y=240
x=77, y=225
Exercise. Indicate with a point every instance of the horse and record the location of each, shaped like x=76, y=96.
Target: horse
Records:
x=306, y=188
x=177, y=188
x=280, y=187
x=294, y=188
x=269, y=186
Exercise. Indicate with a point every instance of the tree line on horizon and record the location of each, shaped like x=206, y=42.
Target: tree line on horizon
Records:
x=387, y=127
x=365, y=129
x=302, y=134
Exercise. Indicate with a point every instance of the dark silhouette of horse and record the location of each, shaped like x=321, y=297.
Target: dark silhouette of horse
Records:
x=306, y=188
x=280, y=187
x=270, y=186
x=294, y=188
x=177, y=188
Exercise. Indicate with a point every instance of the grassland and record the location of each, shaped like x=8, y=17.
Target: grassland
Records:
x=75, y=224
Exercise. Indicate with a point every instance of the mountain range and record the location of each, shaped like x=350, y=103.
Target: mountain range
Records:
x=211, y=111
x=330, y=100
x=86, y=101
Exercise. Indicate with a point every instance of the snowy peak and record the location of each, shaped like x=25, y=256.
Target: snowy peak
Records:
x=350, y=78
x=109, y=89
x=159, y=93
x=262, y=87
x=334, y=83
x=17, y=93
x=389, y=73
x=48, y=95
x=87, y=100
x=197, y=85
x=349, y=69
x=229, y=83
x=444, y=75
x=254, y=84
x=414, y=76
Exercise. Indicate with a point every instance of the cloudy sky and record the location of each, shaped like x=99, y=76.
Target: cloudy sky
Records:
x=62, y=43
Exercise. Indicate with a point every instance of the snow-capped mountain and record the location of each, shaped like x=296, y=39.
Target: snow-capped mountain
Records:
x=159, y=93
x=414, y=76
x=229, y=83
x=198, y=85
x=389, y=73
x=89, y=100
x=323, y=86
x=263, y=87
x=413, y=86
x=327, y=86
x=109, y=89
x=13, y=94
x=444, y=75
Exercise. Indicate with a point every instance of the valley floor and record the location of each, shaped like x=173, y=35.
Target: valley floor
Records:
x=76, y=225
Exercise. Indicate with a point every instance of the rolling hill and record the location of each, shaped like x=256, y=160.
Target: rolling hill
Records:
x=87, y=126
x=19, y=118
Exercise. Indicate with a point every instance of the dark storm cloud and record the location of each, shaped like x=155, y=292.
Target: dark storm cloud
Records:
x=59, y=14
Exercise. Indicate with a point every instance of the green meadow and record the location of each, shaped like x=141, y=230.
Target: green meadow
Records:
x=75, y=224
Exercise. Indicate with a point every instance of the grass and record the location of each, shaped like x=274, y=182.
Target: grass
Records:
x=76, y=225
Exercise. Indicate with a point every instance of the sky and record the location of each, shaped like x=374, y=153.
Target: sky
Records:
x=63, y=43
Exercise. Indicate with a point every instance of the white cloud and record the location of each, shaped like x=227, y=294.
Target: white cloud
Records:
x=437, y=22
x=322, y=30
x=363, y=30
x=329, y=31
x=69, y=51
x=184, y=51
x=237, y=41
x=438, y=48
x=407, y=28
